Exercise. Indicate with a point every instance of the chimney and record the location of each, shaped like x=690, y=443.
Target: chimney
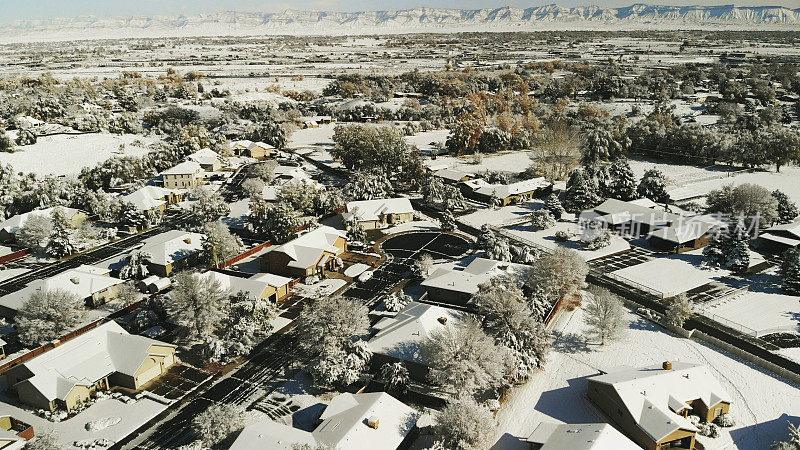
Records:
x=442, y=320
x=372, y=422
x=75, y=280
x=188, y=240
x=666, y=365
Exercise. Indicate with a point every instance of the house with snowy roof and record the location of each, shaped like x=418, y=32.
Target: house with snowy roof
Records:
x=261, y=285
x=10, y=226
x=92, y=284
x=208, y=159
x=583, y=436
x=185, y=175
x=379, y=213
x=153, y=199
x=309, y=254
x=171, y=250
x=509, y=194
x=371, y=421
x=651, y=405
x=456, y=285
x=453, y=176
x=779, y=238
x=400, y=338
x=261, y=150
x=240, y=147
x=99, y=359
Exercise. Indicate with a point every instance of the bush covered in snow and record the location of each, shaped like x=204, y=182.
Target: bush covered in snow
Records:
x=541, y=220
x=396, y=301
x=725, y=420
x=101, y=424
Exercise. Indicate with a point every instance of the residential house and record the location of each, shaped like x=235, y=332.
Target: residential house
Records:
x=651, y=404
x=99, y=359
x=171, y=250
x=241, y=147
x=153, y=199
x=261, y=285
x=309, y=254
x=508, y=194
x=10, y=226
x=583, y=436
x=453, y=176
x=185, y=175
x=92, y=284
x=382, y=213
x=208, y=159
x=456, y=285
x=261, y=150
x=372, y=421
x=779, y=238
x=400, y=338
x=14, y=433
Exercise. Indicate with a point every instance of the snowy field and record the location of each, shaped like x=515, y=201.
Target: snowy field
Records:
x=515, y=162
x=68, y=154
x=321, y=136
x=670, y=275
x=500, y=216
x=761, y=401
x=546, y=238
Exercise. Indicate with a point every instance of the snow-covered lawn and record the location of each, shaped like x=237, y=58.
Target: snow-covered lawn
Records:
x=309, y=137
x=417, y=225
x=764, y=312
x=546, y=238
x=505, y=162
x=68, y=154
x=500, y=216
x=424, y=140
x=557, y=394
x=670, y=275
x=325, y=287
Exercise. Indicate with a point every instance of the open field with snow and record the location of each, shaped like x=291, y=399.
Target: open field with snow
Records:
x=68, y=154
x=761, y=401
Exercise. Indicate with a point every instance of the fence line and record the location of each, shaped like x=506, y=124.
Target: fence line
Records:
x=12, y=256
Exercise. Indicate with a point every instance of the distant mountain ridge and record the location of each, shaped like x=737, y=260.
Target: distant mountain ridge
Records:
x=548, y=17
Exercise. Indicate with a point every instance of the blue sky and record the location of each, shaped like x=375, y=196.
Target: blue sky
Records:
x=11, y=10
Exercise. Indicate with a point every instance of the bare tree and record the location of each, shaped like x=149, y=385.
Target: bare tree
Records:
x=219, y=244
x=558, y=274
x=330, y=322
x=679, y=310
x=558, y=152
x=604, y=314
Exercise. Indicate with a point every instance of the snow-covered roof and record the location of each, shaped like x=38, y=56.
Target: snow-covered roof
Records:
x=259, y=144
x=305, y=250
x=452, y=174
x=584, y=436
x=792, y=229
x=477, y=272
x=253, y=286
x=171, y=246
x=148, y=197
x=184, y=168
x=344, y=425
x=83, y=281
x=14, y=223
x=653, y=395
x=373, y=209
x=520, y=187
x=87, y=358
x=205, y=156
x=243, y=144
x=400, y=336
x=687, y=231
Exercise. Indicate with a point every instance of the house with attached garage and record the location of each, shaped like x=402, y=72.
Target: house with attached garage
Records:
x=185, y=175
x=382, y=213
x=174, y=249
x=153, y=199
x=508, y=194
x=455, y=284
x=584, y=436
x=208, y=159
x=371, y=421
x=308, y=254
x=651, y=405
x=10, y=226
x=400, y=338
x=266, y=286
x=261, y=150
x=99, y=359
x=92, y=284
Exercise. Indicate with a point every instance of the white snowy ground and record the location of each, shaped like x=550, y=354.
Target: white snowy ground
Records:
x=765, y=312
x=309, y=137
x=417, y=225
x=546, y=238
x=761, y=402
x=68, y=154
x=671, y=275
x=505, y=162
x=500, y=216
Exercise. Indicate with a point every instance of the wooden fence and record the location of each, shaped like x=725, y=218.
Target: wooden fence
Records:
x=12, y=256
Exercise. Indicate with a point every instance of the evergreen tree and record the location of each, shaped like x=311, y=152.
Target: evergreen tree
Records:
x=448, y=222
x=787, y=209
x=582, y=191
x=653, y=186
x=60, y=244
x=622, y=185
x=729, y=249
x=790, y=271
x=553, y=204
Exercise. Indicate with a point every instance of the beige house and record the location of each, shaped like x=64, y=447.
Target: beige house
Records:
x=99, y=359
x=307, y=255
x=374, y=214
x=261, y=150
x=10, y=226
x=185, y=175
x=91, y=283
x=266, y=286
x=454, y=284
x=208, y=159
x=174, y=249
x=153, y=199
x=651, y=404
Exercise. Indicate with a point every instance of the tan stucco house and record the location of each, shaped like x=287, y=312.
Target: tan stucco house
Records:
x=99, y=359
x=374, y=214
x=307, y=255
x=10, y=226
x=266, y=286
x=185, y=175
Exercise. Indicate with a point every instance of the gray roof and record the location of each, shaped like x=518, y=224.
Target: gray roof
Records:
x=477, y=272
x=584, y=436
x=401, y=336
